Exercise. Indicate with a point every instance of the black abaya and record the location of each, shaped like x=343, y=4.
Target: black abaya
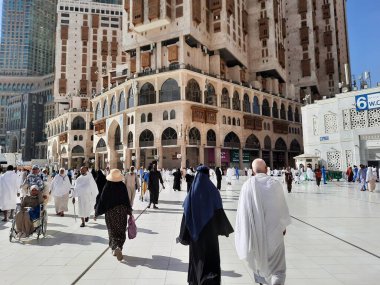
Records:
x=177, y=180
x=204, y=257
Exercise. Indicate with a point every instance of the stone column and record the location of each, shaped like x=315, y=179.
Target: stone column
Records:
x=160, y=156
x=181, y=56
x=271, y=159
x=183, y=155
x=158, y=52
x=218, y=156
x=241, y=166
x=202, y=154
x=128, y=157
x=112, y=158
x=138, y=60
x=137, y=161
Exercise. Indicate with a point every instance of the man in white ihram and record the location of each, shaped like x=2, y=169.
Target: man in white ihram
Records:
x=86, y=191
x=261, y=221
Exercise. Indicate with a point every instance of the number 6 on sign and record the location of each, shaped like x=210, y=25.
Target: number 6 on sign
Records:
x=361, y=103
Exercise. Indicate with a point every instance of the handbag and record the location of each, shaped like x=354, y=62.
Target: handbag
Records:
x=132, y=229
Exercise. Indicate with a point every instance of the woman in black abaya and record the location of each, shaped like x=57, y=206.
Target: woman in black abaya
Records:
x=203, y=221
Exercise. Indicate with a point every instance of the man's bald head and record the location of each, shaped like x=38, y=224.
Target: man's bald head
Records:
x=259, y=166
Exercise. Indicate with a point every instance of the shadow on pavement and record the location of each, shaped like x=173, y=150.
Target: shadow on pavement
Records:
x=170, y=202
x=167, y=263
x=56, y=237
x=146, y=231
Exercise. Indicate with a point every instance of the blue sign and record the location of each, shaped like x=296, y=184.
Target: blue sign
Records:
x=325, y=138
x=367, y=101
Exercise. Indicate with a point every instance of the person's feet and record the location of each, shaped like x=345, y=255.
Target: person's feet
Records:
x=155, y=207
x=149, y=205
x=4, y=220
x=82, y=225
x=118, y=254
x=62, y=214
x=86, y=219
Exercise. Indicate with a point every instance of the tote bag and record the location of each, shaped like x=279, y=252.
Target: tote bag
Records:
x=132, y=229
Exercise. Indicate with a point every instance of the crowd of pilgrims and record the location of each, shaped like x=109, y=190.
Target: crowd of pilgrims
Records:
x=258, y=237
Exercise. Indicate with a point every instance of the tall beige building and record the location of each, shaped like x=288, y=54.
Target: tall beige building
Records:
x=88, y=43
x=191, y=93
x=318, y=57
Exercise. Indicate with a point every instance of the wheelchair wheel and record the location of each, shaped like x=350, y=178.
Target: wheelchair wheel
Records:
x=13, y=231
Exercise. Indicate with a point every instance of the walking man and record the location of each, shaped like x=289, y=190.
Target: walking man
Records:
x=261, y=221
x=289, y=179
x=132, y=183
x=324, y=174
x=86, y=191
x=9, y=185
x=60, y=188
x=154, y=187
x=219, y=174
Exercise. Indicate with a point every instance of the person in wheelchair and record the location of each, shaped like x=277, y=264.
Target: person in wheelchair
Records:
x=30, y=211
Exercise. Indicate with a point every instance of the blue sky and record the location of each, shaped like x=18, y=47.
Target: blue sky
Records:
x=364, y=36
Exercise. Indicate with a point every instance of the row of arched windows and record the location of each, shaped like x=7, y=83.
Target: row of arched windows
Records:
x=229, y=121
x=168, y=116
x=146, y=118
x=170, y=91
x=78, y=123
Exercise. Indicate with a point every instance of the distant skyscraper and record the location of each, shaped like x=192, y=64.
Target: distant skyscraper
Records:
x=27, y=41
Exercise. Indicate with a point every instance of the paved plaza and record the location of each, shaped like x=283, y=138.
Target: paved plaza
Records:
x=334, y=239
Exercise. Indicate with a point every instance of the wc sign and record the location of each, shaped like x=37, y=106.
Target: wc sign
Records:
x=367, y=102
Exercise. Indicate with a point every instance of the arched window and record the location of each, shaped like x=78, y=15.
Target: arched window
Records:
x=232, y=140
x=143, y=118
x=165, y=116
x=295, y=146
x=169, y=137
x=236, y=101
x=147, y=94
x=296, y=115
x=170, y=91
x=229, y=120
x=63, y=150
x=113, y=106
x=150, y=117
x=105, y=109
x=267, y=143
x=224, y=120
x=130, y=139
x=75, y=138
x=80, y=138
x=62, y=127
x=67, y=125
x=265, y=108
x=121, y=101
x=256, y=106
x=210, y=95
x=246, y=104
x=193, y=92
x=283, y=112
x=233, y=121
x=78, y=150
x=290, y=113
x=78, y=123
x=238, y=122
x=252, y=142
x=194, y=137
x=132, y=120
x=129, y=121
x=275, y=110
x=117, y=137
x=268, y=126
x=146, y=139
x=172, y=114
x=225, y=100
x=98, y=112
x=211, y=138
x=280, y=145
x=130, y=99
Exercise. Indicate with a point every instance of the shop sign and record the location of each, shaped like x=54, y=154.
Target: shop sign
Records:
x=234, y=155
x=367, y=101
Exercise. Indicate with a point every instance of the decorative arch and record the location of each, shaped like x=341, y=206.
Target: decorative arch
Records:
x=117, y=137
x=210, y=95
x=105, y=109
x=143, y=118
x=246, y=104
x=121, y=104
x=275, y=110
x=225, y=100
x=295, y=146
x=252, y=142
x=280, y=145
x=172, y=114
x=146, y=138
x=165, y=116
x=77, y=150
x=236, y=102
x=169, y=137
x=194, y=136
x=130, y=139
x=170, y=91
x=283, y=112
x=267, y=143
x=113, y=105
x=296, y=115
x=232, y=140
x=147, y=94
x=130, y=99
x=265, y=109
x=193, y=91
x=78, y=123
x=149, y=118
x=63, y=151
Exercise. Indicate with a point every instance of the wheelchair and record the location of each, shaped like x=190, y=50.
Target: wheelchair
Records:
x=39, y=223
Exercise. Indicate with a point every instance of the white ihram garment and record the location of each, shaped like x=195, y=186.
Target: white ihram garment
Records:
x=9, y=185
x=261, y=218
x=86, y=190
x=60, y=188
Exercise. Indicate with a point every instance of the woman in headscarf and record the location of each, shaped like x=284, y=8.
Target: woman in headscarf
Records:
x=100, y=182
x=371, y=178
x=177, y=180
x=114, y=203
x=203, y=221
x=189, y=178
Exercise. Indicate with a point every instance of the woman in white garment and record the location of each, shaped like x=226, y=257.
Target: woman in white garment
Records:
x=371, y=179
x=60, y=189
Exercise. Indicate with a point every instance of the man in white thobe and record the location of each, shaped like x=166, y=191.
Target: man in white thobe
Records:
x=9, y=186
x=261, y=221
x=86, y=191
x=230, y=173
x=60, y=188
